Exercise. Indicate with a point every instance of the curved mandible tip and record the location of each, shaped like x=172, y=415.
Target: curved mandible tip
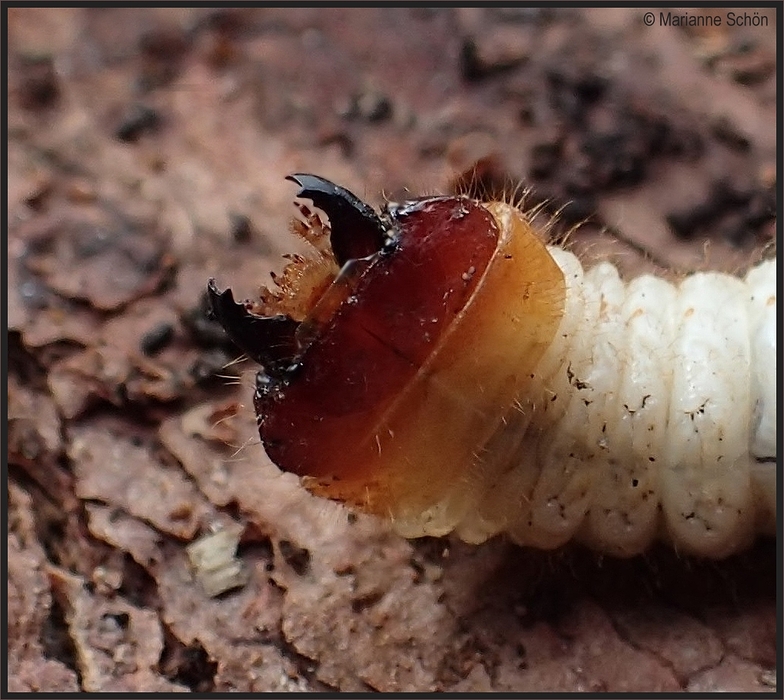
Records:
x=356, y=229
x=268, y=340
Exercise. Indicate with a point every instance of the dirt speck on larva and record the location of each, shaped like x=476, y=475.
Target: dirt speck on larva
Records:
x=136, y=135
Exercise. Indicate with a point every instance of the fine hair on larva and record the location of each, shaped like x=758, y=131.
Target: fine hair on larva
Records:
x=559, y=403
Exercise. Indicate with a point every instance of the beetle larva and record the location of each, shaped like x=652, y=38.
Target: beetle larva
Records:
x=438, y=365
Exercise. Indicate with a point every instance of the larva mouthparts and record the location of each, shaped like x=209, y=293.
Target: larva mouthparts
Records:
x=447, y=370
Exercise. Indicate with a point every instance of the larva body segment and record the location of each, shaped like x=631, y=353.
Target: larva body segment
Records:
x=466, y=377
x=761, y=283
x=659, y=423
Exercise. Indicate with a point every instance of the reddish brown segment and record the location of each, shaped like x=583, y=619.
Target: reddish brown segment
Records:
x=377, y=340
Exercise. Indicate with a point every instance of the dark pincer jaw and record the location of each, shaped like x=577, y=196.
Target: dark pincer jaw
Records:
x=268, y=340
x=356, y=230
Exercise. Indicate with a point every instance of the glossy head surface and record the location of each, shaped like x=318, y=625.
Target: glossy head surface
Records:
x=403, y=368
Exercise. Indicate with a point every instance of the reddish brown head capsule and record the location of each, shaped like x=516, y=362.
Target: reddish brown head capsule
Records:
x=406, y=354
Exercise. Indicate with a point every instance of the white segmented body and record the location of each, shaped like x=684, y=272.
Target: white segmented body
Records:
x=652, y=416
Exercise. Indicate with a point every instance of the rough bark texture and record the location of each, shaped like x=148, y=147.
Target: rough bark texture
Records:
x=147, y=152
